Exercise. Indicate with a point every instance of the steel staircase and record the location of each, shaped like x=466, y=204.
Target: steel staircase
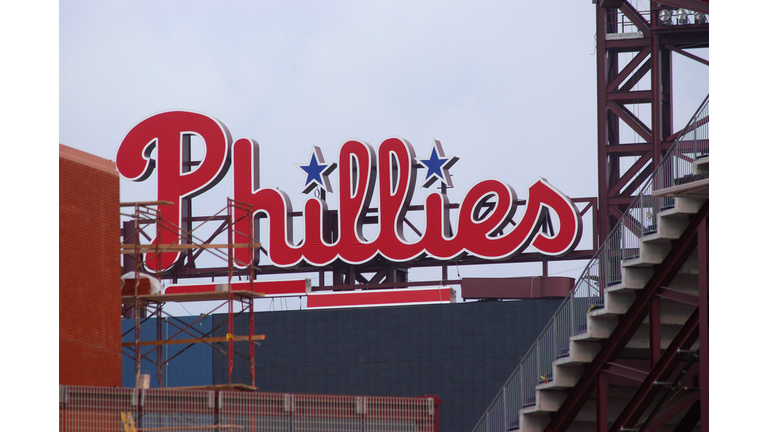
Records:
x=622, y=353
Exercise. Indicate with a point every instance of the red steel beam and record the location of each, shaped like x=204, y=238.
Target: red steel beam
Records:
x=679, y=296
x=628, y=69
x=638, y=20
x=625, y=329
x=625, y=371
x=601, y=402
x=638, y=75
x=648, y=389
x=604, y=140
x=633, y=149
x=631, y=120
x=690, y=419
x=703, y=251
x=659, y=421
x=638, y=181
x=654, y=330
x=630, y=174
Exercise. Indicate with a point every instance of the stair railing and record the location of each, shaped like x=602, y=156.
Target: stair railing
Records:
x=603, y=270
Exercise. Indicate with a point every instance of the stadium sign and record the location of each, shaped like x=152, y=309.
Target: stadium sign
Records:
x=360, y=167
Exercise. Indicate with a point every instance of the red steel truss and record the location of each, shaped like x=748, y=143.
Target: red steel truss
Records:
x=667, y=370
x=624, y=165
x=141, y=304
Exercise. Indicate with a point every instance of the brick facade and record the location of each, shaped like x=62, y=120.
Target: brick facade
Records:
x=89, y=270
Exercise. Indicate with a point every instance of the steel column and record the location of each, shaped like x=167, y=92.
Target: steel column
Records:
x=654, y=330
x=601, y=402
x=619, y=174
x=648, y=389
x=703, y=255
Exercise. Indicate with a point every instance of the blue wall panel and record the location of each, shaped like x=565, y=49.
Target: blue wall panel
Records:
x=188, y=365
x=461, y=352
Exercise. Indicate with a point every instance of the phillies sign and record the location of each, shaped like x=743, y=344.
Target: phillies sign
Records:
x=393, y=167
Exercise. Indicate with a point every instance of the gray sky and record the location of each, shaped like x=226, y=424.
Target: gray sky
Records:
x=507, y=86
x=513, y=99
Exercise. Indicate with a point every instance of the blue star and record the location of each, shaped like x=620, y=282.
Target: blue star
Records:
x=317, y=172
x=437, y=166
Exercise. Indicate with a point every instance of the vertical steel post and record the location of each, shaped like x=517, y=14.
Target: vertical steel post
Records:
x=703, y=255
x=136, y=314
x=601, y=402
x=160, y=364
x=230, y=318
x=251, y=329
x=654, y=330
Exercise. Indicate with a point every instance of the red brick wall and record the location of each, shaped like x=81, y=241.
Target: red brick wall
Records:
x=89, y=270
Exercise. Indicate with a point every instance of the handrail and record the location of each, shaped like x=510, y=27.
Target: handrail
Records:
x=604, y=269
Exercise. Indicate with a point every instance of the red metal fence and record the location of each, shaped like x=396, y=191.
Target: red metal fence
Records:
x=128, y=409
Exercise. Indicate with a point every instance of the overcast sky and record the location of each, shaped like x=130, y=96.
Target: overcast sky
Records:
x=509, y=87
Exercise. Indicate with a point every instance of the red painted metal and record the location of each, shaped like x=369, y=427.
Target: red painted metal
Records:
x=516, y=287
x=601, y=404
x=605, y=130
x=663, y=369
x=147, y=216
x=703, y=261
x=678, y=296
x=654, y=330
x=628, y=325
x=625, y=371
x=619, y=172
x=691, y=419
x=379, y=297
x=295, y=287
x=684, y=403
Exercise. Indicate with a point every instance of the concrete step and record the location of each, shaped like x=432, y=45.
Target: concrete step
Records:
x=580, y=352
x=673, y=312
x=549, y=400
x=636, y=273
x=533, y=420
x=649, y=255
x=641, y=338
x=668, y=227
x=618, y=397
x=652, y=254
x=632, y=278
x=635, y=278
x=599, y=326
x=617, y=400
x=701, y=165
x=565, y=375
x=590, y=426
x=682, y=207
x=618, y=302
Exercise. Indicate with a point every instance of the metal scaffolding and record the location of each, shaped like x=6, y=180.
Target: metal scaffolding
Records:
x=141, y=303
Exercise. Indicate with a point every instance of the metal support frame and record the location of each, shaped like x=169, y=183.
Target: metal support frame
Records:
x=84, y=408
x=703, y=261
x=146, y=215
x=623, y=165
x=377, y=274
x=667, y=362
